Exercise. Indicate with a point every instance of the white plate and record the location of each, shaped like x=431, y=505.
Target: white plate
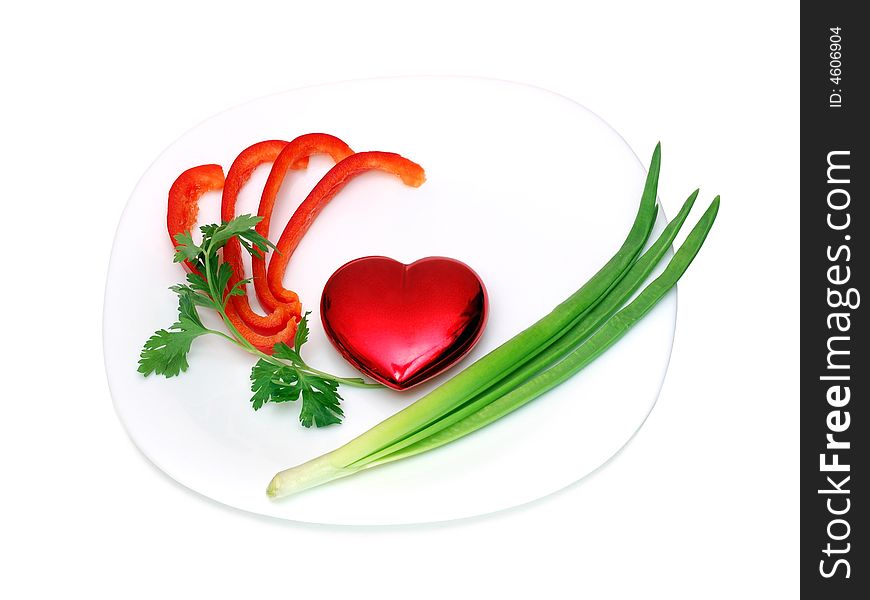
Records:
x=529, y=188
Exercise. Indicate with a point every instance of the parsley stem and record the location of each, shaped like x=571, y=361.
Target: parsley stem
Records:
x=280, y=373
x=351, y=381
x=218, y=299
x=240, y=340
x=304, y=368
x=223, y=335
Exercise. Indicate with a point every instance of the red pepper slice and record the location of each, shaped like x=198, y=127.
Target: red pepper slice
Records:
x=410, y=172
x=263, y=342
x=184, y=197
x=182, y=211
x=240, y=172
x=280, y=324
x=302, y=146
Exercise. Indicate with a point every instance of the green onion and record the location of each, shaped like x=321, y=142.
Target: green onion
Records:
x=523, y=368
x=591, y=321
x=521, y=347
x=616, y=327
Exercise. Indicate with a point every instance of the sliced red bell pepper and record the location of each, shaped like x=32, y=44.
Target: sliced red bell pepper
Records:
x=302, y=147
x=184, y=195
x=410, y=172
x=263, y=342
x=181, y=214
x=241, y=170
x=280, y=324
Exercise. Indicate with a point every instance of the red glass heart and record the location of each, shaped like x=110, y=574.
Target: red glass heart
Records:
x=403, y=324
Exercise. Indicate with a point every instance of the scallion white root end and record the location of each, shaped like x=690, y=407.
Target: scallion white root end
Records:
x=307, y=475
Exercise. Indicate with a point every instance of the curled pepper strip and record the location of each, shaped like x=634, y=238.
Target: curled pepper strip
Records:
x=301, y=147
x=184, y=195
x=265, y=343
x=240, y=172
x=280, y=324
x=182, y=211
x=410, y=172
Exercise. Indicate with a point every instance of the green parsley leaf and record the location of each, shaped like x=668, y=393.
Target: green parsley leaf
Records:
x=320, y=402
x=301, y=332
x=240, y=226
x=196, y=298
x=186, y=249
x=208, y=231
x=188, y=318
x=282, y=350
x=238, y=288
x=224, y=272
x=254, y=243
x=272, y=383
x=320, y=398
x=198, y=283
x=285, y=352
x=165, y=352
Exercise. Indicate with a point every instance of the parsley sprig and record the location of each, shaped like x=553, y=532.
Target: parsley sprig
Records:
x=282, y=377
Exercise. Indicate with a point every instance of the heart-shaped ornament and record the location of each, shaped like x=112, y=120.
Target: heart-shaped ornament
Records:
x=403, y=324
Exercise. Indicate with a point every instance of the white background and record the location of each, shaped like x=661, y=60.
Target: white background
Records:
x=701, y=504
